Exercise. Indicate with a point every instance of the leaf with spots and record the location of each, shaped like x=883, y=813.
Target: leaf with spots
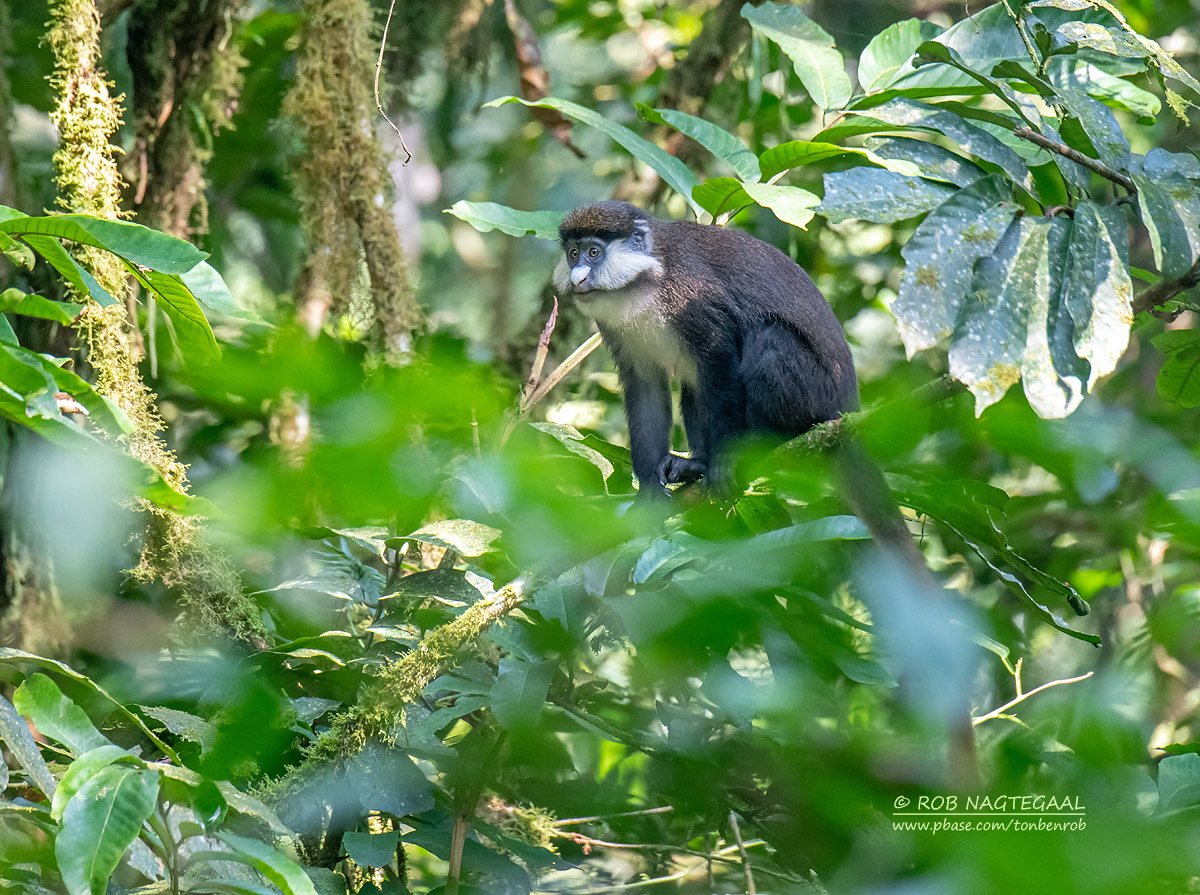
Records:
x=873, y=194
x=940, y=258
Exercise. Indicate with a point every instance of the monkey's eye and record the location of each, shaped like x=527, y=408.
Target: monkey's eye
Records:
x=593, y=252
x=573, y=254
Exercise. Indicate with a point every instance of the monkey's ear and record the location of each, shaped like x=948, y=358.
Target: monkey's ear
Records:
x=641, y=240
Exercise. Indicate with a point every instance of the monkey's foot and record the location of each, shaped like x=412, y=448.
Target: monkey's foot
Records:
x=675, y=469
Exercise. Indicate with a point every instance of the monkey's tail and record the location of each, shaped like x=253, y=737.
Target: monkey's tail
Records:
x=871, y=499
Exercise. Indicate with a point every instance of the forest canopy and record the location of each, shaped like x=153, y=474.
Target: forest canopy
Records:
x=323, y=566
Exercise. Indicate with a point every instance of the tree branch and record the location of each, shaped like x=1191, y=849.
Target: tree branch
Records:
x=829, y=435
x=1077, y=157
x=1165, y=290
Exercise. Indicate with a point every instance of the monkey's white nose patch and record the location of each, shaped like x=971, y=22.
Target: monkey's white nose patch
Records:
x=579, y=275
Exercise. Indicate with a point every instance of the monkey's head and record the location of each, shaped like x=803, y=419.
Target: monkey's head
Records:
x=606, y=247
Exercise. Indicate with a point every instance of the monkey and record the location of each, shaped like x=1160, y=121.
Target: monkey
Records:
x=742, y=328
x=754, y=346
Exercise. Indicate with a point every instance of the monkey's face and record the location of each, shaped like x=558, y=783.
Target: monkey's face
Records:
x=594, y=263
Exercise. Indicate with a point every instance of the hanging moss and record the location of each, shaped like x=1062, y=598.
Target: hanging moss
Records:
x=175, y=549
x=343, y=182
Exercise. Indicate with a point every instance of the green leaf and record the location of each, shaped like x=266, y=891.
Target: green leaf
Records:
x=80, y=771
x=1098, y=288
x=1101, y=127
x=796, y=153
x=889, y=50
x=988, y=348
x=1083, y=76
x=133, y=242
x=35, y=306
x=520, y=692
x=1053, y=375
x=283, y=872
x=718, y=195
x=60, y=259
x=1127, y=43
x=818, y=63
x=372, y=849
x=1179, y=379
x=790, y=204
x=485, y=216
x=464, y=536
x=1178, y=782
x=671, y=169
x=903, y=112
x=196, y=337
x=722, y=144
x=873, y=194
x=183, y=724
x=207, y=286
x=385, y=779
x=940, y=259
x=15, y=735
x=56, y=716
x=926, y=159
x=570, y=438
x=100, y=822
x=1170, y=207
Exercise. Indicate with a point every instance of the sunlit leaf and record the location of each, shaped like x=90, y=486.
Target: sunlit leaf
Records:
x=790, y=204
x=53, y=714
x=1170, y=206
x=283, y=872
x=464, y=536
x=36, y=306
x=795, y=153
x=80, y=771
x=818, y=63
x=719, y=142
x=100, y=822
x=140, y=245
x=1099, y=291
x=485, y=216
x=1179, y=379
x=928, y=159
x=18, y=739
x=889, y=50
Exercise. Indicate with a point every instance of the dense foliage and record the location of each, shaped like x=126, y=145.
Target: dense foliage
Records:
x=403, y=627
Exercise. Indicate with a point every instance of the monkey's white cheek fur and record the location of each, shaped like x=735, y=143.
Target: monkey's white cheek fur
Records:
x=562, y=277
x=622, y=266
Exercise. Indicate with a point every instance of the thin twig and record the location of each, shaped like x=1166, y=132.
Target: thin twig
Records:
x=378, y=69
x=1077, y=157
x=662, y=809
x=539, y=358
x=996, y=713
x=574, y=360
x=737, y=835
x=1019, y=21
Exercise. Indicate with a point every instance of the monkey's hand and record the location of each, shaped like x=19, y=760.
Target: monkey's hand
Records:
x=675, y=469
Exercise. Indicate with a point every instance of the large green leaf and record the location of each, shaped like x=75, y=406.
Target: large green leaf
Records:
x=53, y=714
x=100, y=822
x=927, y=159
x=15, y=734
x=988, y=347
x=940, y=258
x=718, y=141
x=485, y=216
x=1053, y=375
x=1127, y=43
x=818, y=63
x=283, y=872
x=795, y=153
x=873, y=194
x=1097, y=288
x=60, y=259
x=889, y=50
x=80, y=771
x=520, y=692
x=1170, y=207
x=1101, y=127
x=133, y=242
x=719, y=195
x=196, y=339
x=912, y=113
x=671, y=169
